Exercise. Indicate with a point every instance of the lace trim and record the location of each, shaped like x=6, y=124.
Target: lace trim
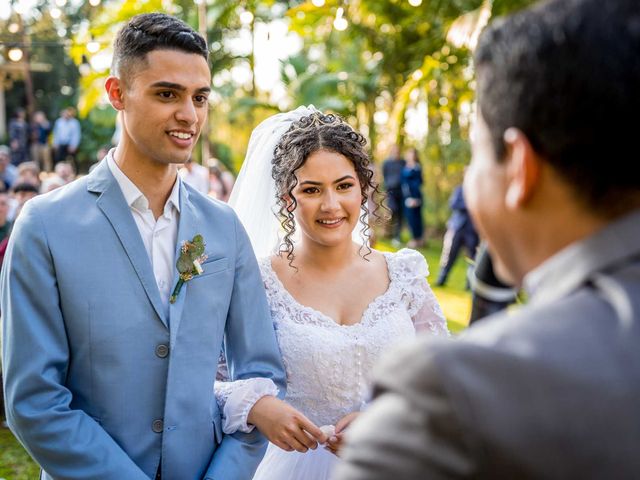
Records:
x=407, y=271
x=236, y=399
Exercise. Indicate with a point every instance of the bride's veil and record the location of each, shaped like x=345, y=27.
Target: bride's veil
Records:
x=254, y=194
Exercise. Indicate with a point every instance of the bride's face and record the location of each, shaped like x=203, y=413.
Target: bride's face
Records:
x=328, y=198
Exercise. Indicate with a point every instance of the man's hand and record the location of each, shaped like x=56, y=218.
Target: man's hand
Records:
x=335, y=441
x=284, y=426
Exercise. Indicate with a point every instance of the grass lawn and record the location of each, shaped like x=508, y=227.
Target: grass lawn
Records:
x=15, y=463
x=454, y=299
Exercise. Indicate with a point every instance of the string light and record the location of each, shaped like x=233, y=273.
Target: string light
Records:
x=93, y=46
x=246, y=17
x=15, y=54
x=340, y=23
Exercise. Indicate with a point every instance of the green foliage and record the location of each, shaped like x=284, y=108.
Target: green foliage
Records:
x=97, y=131
x=15, y=463
x=53, y=74
x=504, y=7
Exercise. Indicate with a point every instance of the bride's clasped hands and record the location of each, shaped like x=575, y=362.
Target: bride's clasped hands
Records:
x=284, y=426
x=290, y=430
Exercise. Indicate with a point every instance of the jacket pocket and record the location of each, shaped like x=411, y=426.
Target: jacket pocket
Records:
x=211, y=267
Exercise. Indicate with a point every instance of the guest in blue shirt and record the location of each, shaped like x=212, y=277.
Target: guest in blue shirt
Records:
x=19, y=137
x=412, y=194
x=66, y=136
x=392, y=178
x=460, y=233
x=8, y=172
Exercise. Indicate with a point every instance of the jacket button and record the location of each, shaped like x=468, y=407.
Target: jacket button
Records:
x=157, y=426
x=162, y=350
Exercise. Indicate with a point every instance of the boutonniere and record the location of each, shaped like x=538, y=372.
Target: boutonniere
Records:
x=189, y=263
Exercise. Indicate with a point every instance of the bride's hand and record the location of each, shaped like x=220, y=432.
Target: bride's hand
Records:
x=284, y=426
x=335, y=441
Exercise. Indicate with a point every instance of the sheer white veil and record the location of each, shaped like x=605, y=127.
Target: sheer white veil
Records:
x=254, y=194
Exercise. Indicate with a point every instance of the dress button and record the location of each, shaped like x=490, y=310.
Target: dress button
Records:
x=162, y=350
x=157, y=426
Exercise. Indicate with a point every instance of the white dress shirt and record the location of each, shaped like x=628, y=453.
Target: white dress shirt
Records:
x=159, y=236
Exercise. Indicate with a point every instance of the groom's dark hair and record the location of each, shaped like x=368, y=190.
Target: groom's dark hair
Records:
x=567, y=74
x=153, y=31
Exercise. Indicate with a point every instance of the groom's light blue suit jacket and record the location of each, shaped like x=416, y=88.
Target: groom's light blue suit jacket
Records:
x=99, y=382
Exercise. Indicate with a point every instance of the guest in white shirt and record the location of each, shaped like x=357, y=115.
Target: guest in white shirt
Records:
x=195, y=175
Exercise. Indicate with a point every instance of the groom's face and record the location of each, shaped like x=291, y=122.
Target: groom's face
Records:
x=164, y=105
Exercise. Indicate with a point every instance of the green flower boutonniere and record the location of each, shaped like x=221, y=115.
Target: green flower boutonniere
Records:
x=188, y=264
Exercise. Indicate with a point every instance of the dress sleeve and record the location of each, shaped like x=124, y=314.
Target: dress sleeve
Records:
x=236, y=399
x=422, y=305
x=429, y=317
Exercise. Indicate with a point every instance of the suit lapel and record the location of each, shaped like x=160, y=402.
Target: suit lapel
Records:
x=114, y=207
x=187, y=229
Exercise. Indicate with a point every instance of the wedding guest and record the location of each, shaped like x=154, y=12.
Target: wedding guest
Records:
x=550, y=391
x=392, y=168
x=461, y=233
x=28, y=172
x=195, y=175
x=102, y=152
x=66, y=171
x=8, y=171
x=21, y=193
x=100, y=155
x=217, y=187
x=40, y=150
x=5, y=223
x=50, y=183
x=221, y=180
x=412, y=197
x=19, y=137
x=66, y=136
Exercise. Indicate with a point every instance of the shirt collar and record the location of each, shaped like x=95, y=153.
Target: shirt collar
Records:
x=570, y=268
x=132, y=194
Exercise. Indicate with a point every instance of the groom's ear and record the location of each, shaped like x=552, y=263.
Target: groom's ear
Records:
x=115, y=91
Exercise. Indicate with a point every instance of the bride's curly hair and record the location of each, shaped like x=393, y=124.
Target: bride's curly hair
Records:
x=306, y=136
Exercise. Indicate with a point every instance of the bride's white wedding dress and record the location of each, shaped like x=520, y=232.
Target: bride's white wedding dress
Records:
x=329, y=365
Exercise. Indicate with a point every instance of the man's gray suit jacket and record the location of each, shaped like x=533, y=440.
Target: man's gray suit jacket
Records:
x=551, y=391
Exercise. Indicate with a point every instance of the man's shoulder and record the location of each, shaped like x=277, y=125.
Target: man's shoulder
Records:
x=523, y=340
x=71, y=195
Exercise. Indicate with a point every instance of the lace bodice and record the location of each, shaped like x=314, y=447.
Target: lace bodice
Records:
x=328, y=365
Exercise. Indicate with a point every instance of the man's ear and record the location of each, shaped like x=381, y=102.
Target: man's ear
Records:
x=115, y=90
x=523, y=168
